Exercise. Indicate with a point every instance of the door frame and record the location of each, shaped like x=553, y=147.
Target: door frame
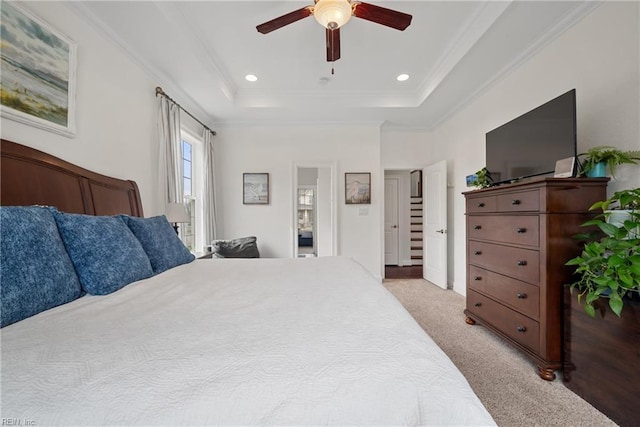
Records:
x=399, y=226
x=293, y=231
x=402, y=222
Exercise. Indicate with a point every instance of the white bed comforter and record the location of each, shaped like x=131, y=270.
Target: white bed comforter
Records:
x=235, y=342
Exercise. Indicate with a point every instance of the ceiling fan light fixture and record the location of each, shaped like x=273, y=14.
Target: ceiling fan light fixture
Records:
x=332, y=14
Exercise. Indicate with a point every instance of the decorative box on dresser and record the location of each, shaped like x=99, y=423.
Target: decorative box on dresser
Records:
x=519, y=236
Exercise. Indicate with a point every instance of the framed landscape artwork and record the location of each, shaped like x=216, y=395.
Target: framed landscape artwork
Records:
x=255, y=188
x=357, y=188
x=38, y=72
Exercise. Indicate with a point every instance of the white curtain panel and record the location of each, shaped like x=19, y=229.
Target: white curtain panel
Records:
x=209, y=202
x=170, y=151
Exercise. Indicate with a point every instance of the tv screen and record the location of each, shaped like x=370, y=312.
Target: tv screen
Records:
x=531, y=144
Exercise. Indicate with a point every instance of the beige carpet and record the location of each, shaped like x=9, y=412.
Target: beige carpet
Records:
x=504, y=380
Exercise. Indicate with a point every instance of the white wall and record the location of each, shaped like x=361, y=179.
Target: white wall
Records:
x=600, y=58
x=274, y=150
x=116, y=110
x=116, y=127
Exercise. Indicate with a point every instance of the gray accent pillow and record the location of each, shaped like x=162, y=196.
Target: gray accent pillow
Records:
x=244, y=247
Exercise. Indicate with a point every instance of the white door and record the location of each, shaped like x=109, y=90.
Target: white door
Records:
x=391, y=233
x=324, y=228
x=434, y=261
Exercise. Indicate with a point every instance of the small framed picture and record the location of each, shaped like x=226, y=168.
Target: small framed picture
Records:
x=357, y=188
x=565, y=168
x=255, y=188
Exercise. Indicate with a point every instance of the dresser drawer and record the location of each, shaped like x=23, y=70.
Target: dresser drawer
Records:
x=523, y=201
x=513, y=324
x=516, y=229
x=522, y=264
x=481, y=204
x=521, y=296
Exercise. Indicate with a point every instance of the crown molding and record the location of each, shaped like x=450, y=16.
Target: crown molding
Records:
x=210, y=61
x=82, y=11
x=477, y=24
x=556, y=31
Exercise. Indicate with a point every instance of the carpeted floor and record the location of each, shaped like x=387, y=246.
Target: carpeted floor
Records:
x=504, y=380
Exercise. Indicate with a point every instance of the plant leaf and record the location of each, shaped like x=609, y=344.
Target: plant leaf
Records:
x=590, y=310
x=615, y=302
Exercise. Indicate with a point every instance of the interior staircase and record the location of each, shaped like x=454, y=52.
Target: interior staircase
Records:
x=416, y=230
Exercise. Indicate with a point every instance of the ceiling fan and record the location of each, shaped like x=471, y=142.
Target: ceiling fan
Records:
x=333, y=14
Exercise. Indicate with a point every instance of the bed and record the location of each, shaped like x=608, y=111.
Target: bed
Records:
x=308, y=341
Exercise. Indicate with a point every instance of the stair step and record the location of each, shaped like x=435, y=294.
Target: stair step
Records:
x=416, y=256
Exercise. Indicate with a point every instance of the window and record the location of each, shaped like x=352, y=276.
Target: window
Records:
x=187, y=168
x=192, y=232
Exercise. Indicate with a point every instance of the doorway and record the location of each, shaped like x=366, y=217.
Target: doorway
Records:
x=403, y=223
x=423, y=226
x=314, y=210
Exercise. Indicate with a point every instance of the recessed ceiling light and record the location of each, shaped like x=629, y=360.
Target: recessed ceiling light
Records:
x=402, y=77
x=251, y=78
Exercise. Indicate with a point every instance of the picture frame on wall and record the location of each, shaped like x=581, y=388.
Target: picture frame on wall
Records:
x=39, y=82
x=255, y=188
x=357, y=188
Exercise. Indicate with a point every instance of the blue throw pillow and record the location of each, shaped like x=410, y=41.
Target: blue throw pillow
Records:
x=36, y=273
x=160, y=241
x=107, y=256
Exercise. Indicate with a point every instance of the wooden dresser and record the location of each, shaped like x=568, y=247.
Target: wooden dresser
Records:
x=519, y=236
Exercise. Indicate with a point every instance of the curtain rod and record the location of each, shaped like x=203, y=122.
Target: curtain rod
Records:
x=159, y=91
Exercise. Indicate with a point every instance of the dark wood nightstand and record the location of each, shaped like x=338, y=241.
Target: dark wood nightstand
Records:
x=208, y=255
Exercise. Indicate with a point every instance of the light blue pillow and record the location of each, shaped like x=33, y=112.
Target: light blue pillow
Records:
x=160, y=241
x=105, y=253
x=36, y=273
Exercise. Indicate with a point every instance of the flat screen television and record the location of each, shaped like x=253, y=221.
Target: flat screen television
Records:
x=531, y=144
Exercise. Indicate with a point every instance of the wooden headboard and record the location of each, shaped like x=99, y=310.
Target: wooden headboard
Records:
x=32, y=177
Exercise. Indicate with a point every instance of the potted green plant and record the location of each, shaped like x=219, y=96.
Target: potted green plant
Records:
x=601, y=350
x=483, y=178
x=622, y=206
x=609, y=266
x=598, y=159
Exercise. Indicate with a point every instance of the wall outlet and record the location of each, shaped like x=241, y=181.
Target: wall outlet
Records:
x=363, y=211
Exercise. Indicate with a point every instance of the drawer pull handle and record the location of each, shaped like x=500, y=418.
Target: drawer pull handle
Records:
x=521, y=262
x=477, y=278
x=481, y=205
x=521, y=230
x=515, y=202
x=477, y=227
x=521, y=295
x=522, y=329
x=477, y=253
x=478, y=304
